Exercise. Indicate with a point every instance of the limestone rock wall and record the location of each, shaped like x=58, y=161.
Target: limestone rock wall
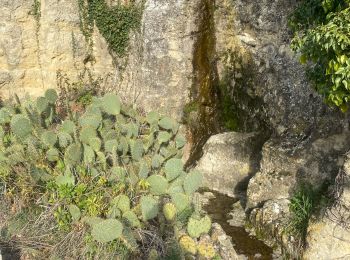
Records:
x=33, y=49
x=157, y=73
x=159, y=68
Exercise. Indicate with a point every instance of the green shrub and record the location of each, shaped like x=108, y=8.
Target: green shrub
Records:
x=109, y=168
x=113, y=22
x=321, y=30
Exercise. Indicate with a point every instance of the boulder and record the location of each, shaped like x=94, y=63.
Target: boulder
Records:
x=229, y=160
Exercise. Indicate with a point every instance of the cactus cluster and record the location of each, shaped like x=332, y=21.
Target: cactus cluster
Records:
x=129, y=163
x=203, y=248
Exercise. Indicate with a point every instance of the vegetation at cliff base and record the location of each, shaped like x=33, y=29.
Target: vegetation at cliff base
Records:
x=322, y=36
x=102, y=182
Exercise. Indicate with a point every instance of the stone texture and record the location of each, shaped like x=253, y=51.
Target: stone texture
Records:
x=32, y=52
x=159, y=71
x=157, y=74
x=228, y=161
x=263, y=76
x=284, y=166
x=224, y=244
x=330, y=237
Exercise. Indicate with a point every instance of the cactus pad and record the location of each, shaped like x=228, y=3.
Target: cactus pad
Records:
x=206, y=249
x=21, y=126
x=53, y=155
x=180, y=200
x=87, y=133
x=73, y=154
x=111, y=104
x=68, y=127
x=132, y=219
x=158, y=184
x=188, y=245
x=173, y=168
x=192, y=182
x=149, y=207
x=122, y=202
x=51, y=96
x=197, y=227
x=169, y=211
x=42, y=104
x=49, y=138
x=107, y=230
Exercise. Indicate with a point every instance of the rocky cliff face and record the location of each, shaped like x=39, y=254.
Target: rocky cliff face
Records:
x=38, y=40
x=200, y=59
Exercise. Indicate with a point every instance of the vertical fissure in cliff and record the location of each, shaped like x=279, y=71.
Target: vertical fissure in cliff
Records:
x=203, y=115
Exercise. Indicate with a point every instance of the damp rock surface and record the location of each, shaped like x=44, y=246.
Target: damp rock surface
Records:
x=221, y=208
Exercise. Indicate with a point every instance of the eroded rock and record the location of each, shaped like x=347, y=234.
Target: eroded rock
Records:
x=329, y=238
x=285, y=165
x=229, y=160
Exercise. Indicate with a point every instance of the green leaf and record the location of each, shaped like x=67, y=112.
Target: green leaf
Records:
x=107, y=230
x=52, y=155
x=173, y=168
x=192, y=182
x=132, y=219
x=163, y=137
x=75, y=212
x=149, y=207
x=158, y=184
x=122, y=202
x=111, y=104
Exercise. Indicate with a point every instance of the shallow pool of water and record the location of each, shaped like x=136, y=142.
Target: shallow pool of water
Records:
x=244, y=243
x=8, y=253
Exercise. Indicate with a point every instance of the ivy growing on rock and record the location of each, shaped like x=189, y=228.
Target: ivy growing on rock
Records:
x=108, y=168
x=114, y=22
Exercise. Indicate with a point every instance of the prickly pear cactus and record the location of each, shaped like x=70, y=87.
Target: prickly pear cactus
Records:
x=21, y=126
x=206, y=249
x=107, y=230
x=197, y=227
x=188, y=245
x=118, y=165
x=169, y=211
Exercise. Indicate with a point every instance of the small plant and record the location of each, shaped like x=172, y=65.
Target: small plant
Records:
x=305, y=202
x=107, y=168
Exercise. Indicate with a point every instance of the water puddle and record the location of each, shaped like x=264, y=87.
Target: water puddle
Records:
x=244, y=243
x=8, y=253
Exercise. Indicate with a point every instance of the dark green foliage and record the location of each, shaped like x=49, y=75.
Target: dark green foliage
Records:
x=114, y=22
x=322, y=30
